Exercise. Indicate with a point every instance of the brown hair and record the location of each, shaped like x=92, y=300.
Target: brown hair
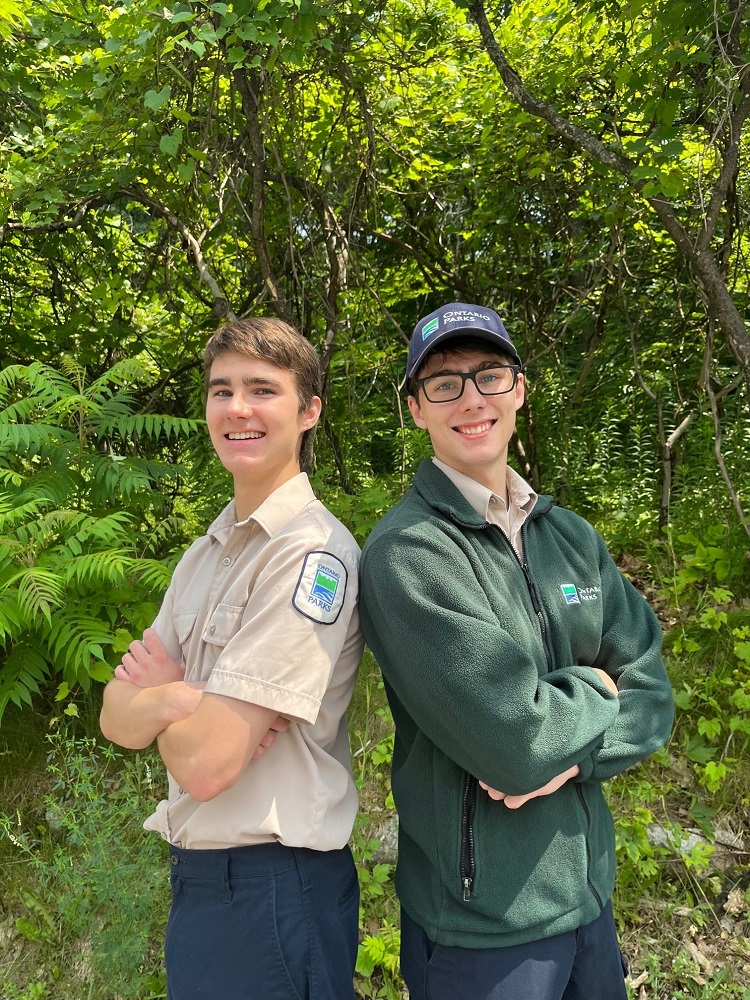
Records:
x=268, y=339
x=457, y=345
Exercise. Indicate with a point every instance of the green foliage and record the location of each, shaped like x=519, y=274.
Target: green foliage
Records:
x=99, y=879
x=352, y=166
x=371, y=730
x=84, y=524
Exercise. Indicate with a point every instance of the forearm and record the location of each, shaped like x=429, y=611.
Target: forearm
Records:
x=207, y=752
x=133, y=716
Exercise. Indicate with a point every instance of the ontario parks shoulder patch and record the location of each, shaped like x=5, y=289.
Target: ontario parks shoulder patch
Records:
x=321, y=587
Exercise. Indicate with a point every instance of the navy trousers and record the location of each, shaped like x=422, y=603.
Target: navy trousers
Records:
x=585, y=964
x=266, y=922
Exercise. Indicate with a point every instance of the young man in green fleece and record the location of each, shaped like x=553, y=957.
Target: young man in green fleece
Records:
x=522, y=670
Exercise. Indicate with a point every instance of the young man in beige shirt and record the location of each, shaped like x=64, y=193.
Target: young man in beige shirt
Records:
x=243, y=681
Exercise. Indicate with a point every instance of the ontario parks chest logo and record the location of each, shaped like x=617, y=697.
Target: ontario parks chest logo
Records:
x=577, y=595
x=321, y=587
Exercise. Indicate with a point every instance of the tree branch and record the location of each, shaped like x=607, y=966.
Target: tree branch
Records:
x=727, y=175
x=53, y=227
x=246, y=82
x=221, y=308
x=703, y=266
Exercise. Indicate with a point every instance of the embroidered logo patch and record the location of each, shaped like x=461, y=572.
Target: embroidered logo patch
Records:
x=570, y=593
x=321, y=587
x=430, y=327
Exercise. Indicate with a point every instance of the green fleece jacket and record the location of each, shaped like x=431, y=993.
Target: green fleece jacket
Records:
x=487, y=669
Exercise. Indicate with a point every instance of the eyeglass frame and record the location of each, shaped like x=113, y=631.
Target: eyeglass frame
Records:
x=472, y=376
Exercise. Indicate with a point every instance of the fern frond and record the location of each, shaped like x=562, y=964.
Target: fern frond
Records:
x=10, y=618
x=113, y=529
x=110, y=568
x=9, y=477
x=155, y=574
x=32, y=437
x=40, y=591
x=46, y=383
x=123, y=373
x=155, y=425
x=21, y=674
x=12, y=512
x=76, y=645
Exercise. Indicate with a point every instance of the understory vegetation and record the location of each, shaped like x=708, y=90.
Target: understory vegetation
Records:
x=349, y=166
x=85, y=890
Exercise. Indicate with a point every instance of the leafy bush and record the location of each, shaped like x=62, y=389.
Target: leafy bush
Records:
x=84, y=518
x=101, y=885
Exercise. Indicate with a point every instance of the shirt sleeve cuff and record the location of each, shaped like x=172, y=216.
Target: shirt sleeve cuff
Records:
x=294, y=705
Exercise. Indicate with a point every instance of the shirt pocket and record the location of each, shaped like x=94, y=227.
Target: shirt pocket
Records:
x=184, y=623
x=223, y=624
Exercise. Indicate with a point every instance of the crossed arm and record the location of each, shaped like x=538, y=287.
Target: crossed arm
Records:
x=516, y=801
x=205, y=740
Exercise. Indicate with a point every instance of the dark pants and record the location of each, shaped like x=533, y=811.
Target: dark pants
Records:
x=585, y=964
x=262, y=923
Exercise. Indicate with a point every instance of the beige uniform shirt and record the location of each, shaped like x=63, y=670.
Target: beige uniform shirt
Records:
x=264, y=610
x=508, y=515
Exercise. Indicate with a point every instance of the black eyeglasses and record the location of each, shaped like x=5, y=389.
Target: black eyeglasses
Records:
x=489, y=381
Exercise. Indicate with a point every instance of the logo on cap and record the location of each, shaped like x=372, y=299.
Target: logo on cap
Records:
x=430, y=327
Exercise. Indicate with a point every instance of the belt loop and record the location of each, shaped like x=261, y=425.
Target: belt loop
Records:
x=223, y=860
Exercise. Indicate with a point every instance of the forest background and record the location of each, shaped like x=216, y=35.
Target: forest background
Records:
x=348, y=166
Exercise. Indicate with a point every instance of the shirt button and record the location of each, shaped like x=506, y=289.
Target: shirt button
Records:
x=227, y=561
x=212, y=630
x=174, y=859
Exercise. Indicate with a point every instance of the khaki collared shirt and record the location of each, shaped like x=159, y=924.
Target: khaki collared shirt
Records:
x=508, y=515
x=264, y=610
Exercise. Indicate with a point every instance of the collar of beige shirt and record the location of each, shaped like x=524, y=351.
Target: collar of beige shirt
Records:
x=510, y=515
x=272, y=515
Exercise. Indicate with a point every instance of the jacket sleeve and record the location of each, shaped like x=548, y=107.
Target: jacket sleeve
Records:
x=462, y=675
x=630, y=652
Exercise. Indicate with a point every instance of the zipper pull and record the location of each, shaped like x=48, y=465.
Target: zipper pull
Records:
x=467, y=888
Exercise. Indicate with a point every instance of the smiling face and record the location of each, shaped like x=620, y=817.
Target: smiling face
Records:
x=471, y=433
x=256, y=425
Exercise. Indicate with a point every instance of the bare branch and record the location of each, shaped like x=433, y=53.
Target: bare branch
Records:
x=52, y=227
x=727, y=175
x=248, y=87
x=511, y=79
x=704, y=267
x=221, y=308
x=706, y=380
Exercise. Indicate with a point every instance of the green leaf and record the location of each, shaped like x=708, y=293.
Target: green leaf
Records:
x=154, y=99
x=682, y=700
x=170, y=144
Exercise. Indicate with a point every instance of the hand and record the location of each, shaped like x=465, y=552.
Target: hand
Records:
x=279, y=725
x=609, y=681
x=148, y=664
x=516, y=801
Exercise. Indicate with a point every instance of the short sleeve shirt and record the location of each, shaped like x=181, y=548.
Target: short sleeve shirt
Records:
x=264, y=611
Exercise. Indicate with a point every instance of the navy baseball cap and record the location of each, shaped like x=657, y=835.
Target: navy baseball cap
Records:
x=455, y=320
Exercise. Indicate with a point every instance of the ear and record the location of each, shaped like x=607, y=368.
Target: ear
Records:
x=520, y=391
x=416, y=413
x=311, y=414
